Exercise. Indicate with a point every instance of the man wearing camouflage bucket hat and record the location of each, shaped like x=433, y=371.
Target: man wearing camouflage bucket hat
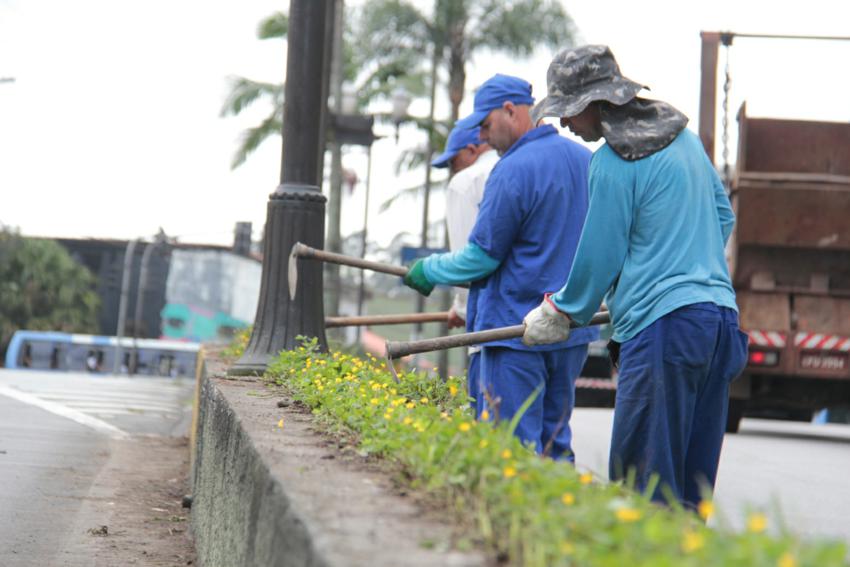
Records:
x=653, y=248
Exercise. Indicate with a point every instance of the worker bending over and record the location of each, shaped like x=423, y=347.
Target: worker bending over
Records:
x=653, y=247
x=522, y=245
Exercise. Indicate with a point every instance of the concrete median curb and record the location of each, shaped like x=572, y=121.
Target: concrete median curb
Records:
x=266, y=495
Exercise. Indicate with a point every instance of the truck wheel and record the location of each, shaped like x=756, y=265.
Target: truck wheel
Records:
x=736, y=412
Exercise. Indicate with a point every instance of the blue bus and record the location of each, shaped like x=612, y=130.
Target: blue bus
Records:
x=47, y=350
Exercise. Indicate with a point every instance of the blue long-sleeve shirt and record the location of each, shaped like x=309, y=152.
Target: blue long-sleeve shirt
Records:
x=525, y=235
x=653, y=240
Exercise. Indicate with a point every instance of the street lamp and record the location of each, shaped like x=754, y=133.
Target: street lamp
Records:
x=400, y=100
x=349, y=99
x=296, y=209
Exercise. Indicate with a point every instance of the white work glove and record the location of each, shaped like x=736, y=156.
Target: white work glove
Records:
x=545, y=324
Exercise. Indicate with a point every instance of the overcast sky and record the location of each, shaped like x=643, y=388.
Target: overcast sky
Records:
x=112, y=126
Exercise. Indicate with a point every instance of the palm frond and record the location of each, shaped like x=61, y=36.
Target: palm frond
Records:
x=253, y=137
x=518, y=27
x=274, y=26
x=411, y=192
x=243, y=92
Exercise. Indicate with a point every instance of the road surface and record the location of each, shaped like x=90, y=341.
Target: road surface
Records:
x=70, y=444
x=795, y=472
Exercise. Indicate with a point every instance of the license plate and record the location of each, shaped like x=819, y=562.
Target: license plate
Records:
x=823, y=361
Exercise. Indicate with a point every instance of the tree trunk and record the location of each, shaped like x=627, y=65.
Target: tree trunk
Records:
x=457, y=67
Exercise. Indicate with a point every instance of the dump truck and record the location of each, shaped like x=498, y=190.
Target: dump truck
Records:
x=790, y=263
x=789, y=257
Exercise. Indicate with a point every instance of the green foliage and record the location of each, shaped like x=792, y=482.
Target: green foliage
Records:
x=43, y=288
x=275, y=26
x=237, y=347
x=520, y=26
x=388, y=44
x=531, y=510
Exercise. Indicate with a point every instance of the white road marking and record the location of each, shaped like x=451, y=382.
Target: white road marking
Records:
x=66, y=412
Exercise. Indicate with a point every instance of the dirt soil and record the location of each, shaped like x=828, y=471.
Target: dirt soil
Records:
x=134, y=514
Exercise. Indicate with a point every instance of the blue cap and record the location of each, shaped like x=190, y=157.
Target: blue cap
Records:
x=491, y=95
x=458, y=139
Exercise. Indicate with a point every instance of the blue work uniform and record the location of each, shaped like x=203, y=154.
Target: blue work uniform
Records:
x=653, y=245
x=528, y=226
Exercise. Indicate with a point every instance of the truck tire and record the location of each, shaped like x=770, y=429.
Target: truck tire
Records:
x=736, y=412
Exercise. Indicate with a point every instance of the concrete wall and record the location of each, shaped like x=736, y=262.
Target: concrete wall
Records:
x=272, y=496
x=240, y=512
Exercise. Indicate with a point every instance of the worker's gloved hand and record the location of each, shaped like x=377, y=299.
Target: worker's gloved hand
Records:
x=455, y=320
x=545, y=324
x=415, y=278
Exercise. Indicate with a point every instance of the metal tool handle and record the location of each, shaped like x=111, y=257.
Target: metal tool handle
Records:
x=398, y=349
x=359, y=321
x=307, y=252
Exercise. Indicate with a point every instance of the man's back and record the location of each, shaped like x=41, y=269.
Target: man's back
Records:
x=678, y=218
x=530, y=221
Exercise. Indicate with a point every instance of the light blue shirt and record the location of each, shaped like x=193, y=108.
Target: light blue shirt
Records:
x=653, y=240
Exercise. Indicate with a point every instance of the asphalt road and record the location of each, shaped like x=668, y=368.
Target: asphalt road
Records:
x=795, y=472
x=47, y=464
x=55, y=435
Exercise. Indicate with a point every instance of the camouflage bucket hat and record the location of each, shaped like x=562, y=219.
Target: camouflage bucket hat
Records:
x=577, y=77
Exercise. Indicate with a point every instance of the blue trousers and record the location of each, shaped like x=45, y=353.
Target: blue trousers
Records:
x=473, y=381
x=511, y=376
x=672, y=400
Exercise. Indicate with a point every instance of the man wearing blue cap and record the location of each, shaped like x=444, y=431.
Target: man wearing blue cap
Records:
x=522, y=246
x=470, y=161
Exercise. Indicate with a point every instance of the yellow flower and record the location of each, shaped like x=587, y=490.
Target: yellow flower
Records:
x=410, y=405
x=627, y=515
x=568, y=498
x=485, y=415
x=757, y=523
x=509, y=472
x=567, y=548
x=453, y=389
x=483, y=443
x=374, y=401
x=506, y=454
x=787, y=560
x=280, y=423
x=423, y=401
x=388, y=415
x=692, y=541
x=586, y=478
x=444, y=415
x=705, y=509
x=408, y=420
x=464, y=427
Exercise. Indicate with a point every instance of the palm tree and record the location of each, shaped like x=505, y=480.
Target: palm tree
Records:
x=386, y=45
x=244, y=92
x=457, y=29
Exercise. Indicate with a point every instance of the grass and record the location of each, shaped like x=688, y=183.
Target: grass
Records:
x=525, y=510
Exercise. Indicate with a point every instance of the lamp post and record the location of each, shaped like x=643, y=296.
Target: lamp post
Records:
x=351, y=128
x=296, y=209
x=400, y=100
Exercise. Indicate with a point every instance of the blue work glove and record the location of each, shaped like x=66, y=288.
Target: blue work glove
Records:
x=415, y=278
x=545, y=324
